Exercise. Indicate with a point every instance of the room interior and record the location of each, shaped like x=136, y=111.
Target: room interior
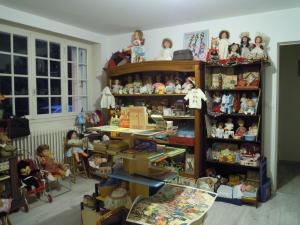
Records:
x=69, y=75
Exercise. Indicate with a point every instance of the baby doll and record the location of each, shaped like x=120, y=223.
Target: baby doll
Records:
x=170, y=84
x=234, y=51
x=258, y=51
x=129, y=88
x=240, y=132
x=137, y=84
x=137, y=47
x=158, y=86
x=166, y=53
x=220, y=131
x=250, y=107
x=52, y=167
x=253, y=129
x=223, y=44
x=147, y=86
x=116, y=87
x=213, y=129
x=74, y=145
x=178, y=87
x=213, y=53
x=245, y=44
x=188, y=85
x=229, y=128
x=27, y=175
x=243, y=101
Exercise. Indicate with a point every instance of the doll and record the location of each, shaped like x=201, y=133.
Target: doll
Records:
x=6, y=147
x=52, y=167
x=255, y=100
x=216, y=105
x=75, y=145
x=213, y=129
x=253, y=130
x=147, y=86
x=245, y=44
x=220, y=131
x=166, y=53
x=227, y=103
x=213, y=53
x=158, y=86
x=178, y=87
x=188, y=85
x=250, y=107
x=228, y=129
x=258, y=52
x=223, y=44
x=137, y=84
x=170, y=84
x=240, y=132
x=129, y=88
x=26, y=175
x=243, y=101
x=234, y=51
x=116, y=87
x=137, y=47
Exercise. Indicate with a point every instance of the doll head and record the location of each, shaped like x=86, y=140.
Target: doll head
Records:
x=224, y=34
x=177, y=80
x=116, y=82
x=258, y=40
x=245, y=39
x=241, y=122
x=214, y=42
x=220, y=125
x=72, y=134
x=43, y=151
x=167, y=43
x=138, y=37
x=250, y=103
x=24, y=168
x=234, y=47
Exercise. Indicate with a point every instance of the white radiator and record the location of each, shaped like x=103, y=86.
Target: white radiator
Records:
x=54, y=138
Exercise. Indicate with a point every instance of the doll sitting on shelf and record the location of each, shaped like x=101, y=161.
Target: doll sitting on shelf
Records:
x=75, y=145
x=158, y=86
x=52, y=167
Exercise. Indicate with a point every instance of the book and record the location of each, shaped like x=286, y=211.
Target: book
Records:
x=172, y=204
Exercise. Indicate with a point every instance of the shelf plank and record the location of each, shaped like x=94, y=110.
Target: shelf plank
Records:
x=256, y=63
x=231, y=140
x=233, y=89
x=149, y=95
x=232, y=164
x=179, y=117
x=233, y=115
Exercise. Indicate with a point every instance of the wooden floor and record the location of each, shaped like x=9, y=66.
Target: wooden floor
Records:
x=282, y=209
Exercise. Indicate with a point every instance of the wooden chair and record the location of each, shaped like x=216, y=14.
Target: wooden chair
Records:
x=74, y=166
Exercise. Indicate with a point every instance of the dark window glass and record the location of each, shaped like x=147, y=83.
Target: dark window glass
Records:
x=41, y=67
x=54, y=51
x=20, y=44
x=70, y=104
x=72, y=53
x=5, y=85
x=41, y=48
x=7, y=106
x=22, y=106
x=72, y=87
x=56, y=105
x=5, y=42
x=55, y=86
x=42, y=105
x=21, y=86
x=5, y=63
x=71, y=70
x=54, y=69
x=42, y=86
x=20, y=65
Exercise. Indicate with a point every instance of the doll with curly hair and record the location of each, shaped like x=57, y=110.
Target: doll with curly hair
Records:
x=223, y=44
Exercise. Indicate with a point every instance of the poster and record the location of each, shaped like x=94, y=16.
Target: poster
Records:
x=197, y=42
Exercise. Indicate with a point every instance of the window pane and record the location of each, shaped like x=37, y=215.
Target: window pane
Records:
x=4, y=42
x=54, y=69
x=20, y=44
x=71, y=107
x=72, y=90
x=82, y=55
x=83, y=88
x=72, y=56
x=42, y=105
x=55, y=87
x=21, y=86
x=22, y=106
x=82, y=72
x=5, y=63
x=41, y=67
x=56, y=105
x=7, y=106
x=71, y=70
x=20, y=65
x=41, y=48
x=54, y=50
x=42, y=86
x=83, y=103
x=5, y=85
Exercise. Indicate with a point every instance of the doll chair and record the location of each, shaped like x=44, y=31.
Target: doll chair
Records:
x=77, y=168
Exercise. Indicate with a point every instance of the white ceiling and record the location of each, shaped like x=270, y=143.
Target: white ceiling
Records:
x=122, y=16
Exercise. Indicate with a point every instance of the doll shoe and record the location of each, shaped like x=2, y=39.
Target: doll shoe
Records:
x=50, y=177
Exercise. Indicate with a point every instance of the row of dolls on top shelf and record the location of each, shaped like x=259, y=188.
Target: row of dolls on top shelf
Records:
x=231, y=103
x=222, y=51
x=170, y=85
x=226, y=131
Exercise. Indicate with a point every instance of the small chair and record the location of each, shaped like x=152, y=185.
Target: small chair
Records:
x=74, y=166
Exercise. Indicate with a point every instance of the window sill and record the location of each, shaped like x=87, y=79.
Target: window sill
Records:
x=51, y=118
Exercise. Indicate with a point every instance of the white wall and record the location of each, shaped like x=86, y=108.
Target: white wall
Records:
x=280, y=26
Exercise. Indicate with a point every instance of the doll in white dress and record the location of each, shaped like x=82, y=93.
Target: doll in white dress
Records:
x=258, y=51
x=166, y=53
x=223, y=44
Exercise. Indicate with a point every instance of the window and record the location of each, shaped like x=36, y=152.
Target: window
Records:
x=14, y=73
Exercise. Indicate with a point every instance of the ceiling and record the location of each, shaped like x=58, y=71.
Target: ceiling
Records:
x=122, y=16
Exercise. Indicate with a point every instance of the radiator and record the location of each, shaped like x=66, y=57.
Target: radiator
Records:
x=54, y=138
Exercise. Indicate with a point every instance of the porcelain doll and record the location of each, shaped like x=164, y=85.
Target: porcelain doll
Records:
x=258, y=51
x=250, y=107
x=241, y=131
x=213, y=52
x=220, y=131
x=245, y=45
x=213, y=129
x=243, y=106
x=137, y=84
x=253, y=130
x=166, y=53
x=137, y=47
x=147, y=86
x=178, y=87
x=117, y=87
x=227, y=103
x=234, y=50
x=223, y=44
x=158, y=86
x=188, y=85
x=228, y=130
x=129, y=88
x=170, y=84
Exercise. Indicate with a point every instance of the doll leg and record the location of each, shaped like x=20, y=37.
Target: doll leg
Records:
x=84, y=154
x=76, y=156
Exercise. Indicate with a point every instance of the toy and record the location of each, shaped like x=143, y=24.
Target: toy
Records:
x=240, y=132
x=6, y=147
x=213, y=132
x=188, y=85
x=227, y=103
x=220, y=131
x=255, y=100
x=234, y=51
x=258, y=52
x=243, y=101
x=27, y=175
x=216, y=104
x=253, y=129
x=129, y=88
x=223, y=44
x=74, y=145
x=250, y=107
x=228, y=129
x=137, y=84
x=166, y=53
x=178, y=87
x=213, y=52
x=158, y=86
x=137, y=47
x=170, y=85
x=245, y=44
x=116, y=87
x=147, y=87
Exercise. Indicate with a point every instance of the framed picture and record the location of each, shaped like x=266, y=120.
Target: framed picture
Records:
x=197, y=42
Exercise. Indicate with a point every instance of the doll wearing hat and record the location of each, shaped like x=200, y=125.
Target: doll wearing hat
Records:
x=245, y=44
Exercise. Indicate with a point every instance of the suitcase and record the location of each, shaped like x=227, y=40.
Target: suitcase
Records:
x=185, y=54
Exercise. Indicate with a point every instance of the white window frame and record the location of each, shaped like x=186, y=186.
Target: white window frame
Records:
x=64, y=42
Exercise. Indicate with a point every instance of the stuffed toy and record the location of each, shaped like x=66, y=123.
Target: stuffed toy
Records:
x=6, y=148
x=26, y=175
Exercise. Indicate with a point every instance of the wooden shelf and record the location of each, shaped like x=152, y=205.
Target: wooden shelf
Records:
x=151, y=66
x=179, y=117
x=231, y=140
x=149, y=95
x=256, y=63
x=233, y=115
x=232, y=164
x=234, y=89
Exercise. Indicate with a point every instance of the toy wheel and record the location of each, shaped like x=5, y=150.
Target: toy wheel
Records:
x=50, y=198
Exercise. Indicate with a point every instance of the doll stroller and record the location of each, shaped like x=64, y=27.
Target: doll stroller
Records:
x=40, y=191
